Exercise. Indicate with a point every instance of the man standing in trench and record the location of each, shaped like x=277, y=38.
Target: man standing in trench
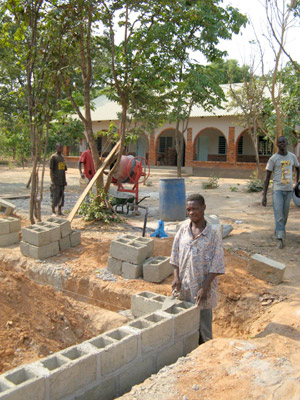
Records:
x=58, y=179
x=281, y=164
x=198, y=258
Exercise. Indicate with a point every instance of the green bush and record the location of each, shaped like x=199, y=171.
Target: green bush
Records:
x=255, y=184
x=98, y=208
x=211, y=184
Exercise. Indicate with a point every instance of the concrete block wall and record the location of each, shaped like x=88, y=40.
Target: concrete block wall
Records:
x=9, y=231
x=127, y=255
x=108, y=365
x=47, y=239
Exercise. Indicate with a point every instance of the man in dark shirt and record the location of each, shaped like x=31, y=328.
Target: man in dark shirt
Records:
x=58, y=179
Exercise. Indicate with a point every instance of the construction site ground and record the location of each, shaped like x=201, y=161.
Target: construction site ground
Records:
x=49, y=305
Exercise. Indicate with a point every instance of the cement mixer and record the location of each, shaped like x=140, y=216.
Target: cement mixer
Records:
x=131, y=170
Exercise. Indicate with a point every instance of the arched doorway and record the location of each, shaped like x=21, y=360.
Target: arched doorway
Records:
x=210, y=145
x=166, y=150
x=246, y=150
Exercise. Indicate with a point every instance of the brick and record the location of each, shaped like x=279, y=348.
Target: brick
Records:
x=148, y=242
x=14, y=224
x=75, y=238
x=155, y=329
x=144, y=303
x=64, y=225
x=36, y=235
x=121, y=352
x=169, y=355
x=24, y=247
x=114, y=265
x=28, y=384
x=42, y=252
x=10, y=238
x=64, y=243
x=265, y=268
x=136, y=373
x=129, y=250
x=186, y=318
x=54, y=230
x=156, y=269
x=131, y=271
x=7, y=207
x=4, y=226
x=106, y=390
x=190, y=342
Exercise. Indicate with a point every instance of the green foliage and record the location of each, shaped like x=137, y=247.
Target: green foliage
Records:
x=233, y=188
x=98, y=208
x=212, y=183
x=255, y=184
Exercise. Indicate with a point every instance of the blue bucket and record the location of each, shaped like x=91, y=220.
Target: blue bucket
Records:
x=172, y=205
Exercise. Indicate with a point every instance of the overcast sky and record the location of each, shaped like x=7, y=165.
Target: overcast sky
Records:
x=240, y=48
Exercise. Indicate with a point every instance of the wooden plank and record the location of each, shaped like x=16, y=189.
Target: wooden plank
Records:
x=100, y=171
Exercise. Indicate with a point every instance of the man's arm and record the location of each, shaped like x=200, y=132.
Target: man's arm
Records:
x=176, y=284
x=265, y=188
x=80, y=170
x=52, y=166
x=202, y=292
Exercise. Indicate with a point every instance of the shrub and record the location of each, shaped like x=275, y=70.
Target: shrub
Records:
x=211, y=184
x=255, y=184
x=98, y=208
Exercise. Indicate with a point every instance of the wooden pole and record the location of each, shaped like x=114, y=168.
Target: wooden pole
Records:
x=100, y=171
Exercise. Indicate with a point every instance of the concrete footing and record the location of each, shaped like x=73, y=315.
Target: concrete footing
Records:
x=108, y=365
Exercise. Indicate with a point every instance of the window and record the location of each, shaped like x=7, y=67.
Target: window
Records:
x=164, y=143
x=265, y=146
x=241, y=145
x=222, y=145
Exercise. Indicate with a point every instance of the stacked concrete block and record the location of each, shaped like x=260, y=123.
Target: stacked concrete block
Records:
x=265, y=268
x=108, y=365
x=47, y=239
x=9, y=231
x=156, y=269
x=7, y=207
x=127, y=255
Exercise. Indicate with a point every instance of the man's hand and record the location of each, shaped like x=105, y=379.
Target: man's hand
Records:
x=82, y=176
x=53, y=186
x=264, y=201
x=201, y=295
x=176, y=285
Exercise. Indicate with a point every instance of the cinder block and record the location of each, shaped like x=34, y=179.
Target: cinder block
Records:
x=156, y=269
x=131, y=271
x=186, y=318
x=114, y=265
x=7, y=207
x=265, y=268
x=190, y=342
x=136, y=373
x=14, y=224
x=106, y=390
x=75, y=238
x=148, y=242
x=54, y=230
x=64, y=243
x=42, y=252
x=4, y=226
x=121, y=352
x=169, y=355
x=24, y=248
x=10, y=238
x=70, y=370
x=27, y=384
x=128, y=250
x=155, y=329
x=36, y=235
x=4, y=387
x=144, y=303
x=64, y=225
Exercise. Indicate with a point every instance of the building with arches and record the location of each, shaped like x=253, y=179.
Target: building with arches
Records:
x=214, y=142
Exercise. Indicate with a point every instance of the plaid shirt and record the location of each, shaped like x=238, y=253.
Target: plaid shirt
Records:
x=196, y=258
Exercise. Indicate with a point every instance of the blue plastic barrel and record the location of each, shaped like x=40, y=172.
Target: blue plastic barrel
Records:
x=172, y=199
